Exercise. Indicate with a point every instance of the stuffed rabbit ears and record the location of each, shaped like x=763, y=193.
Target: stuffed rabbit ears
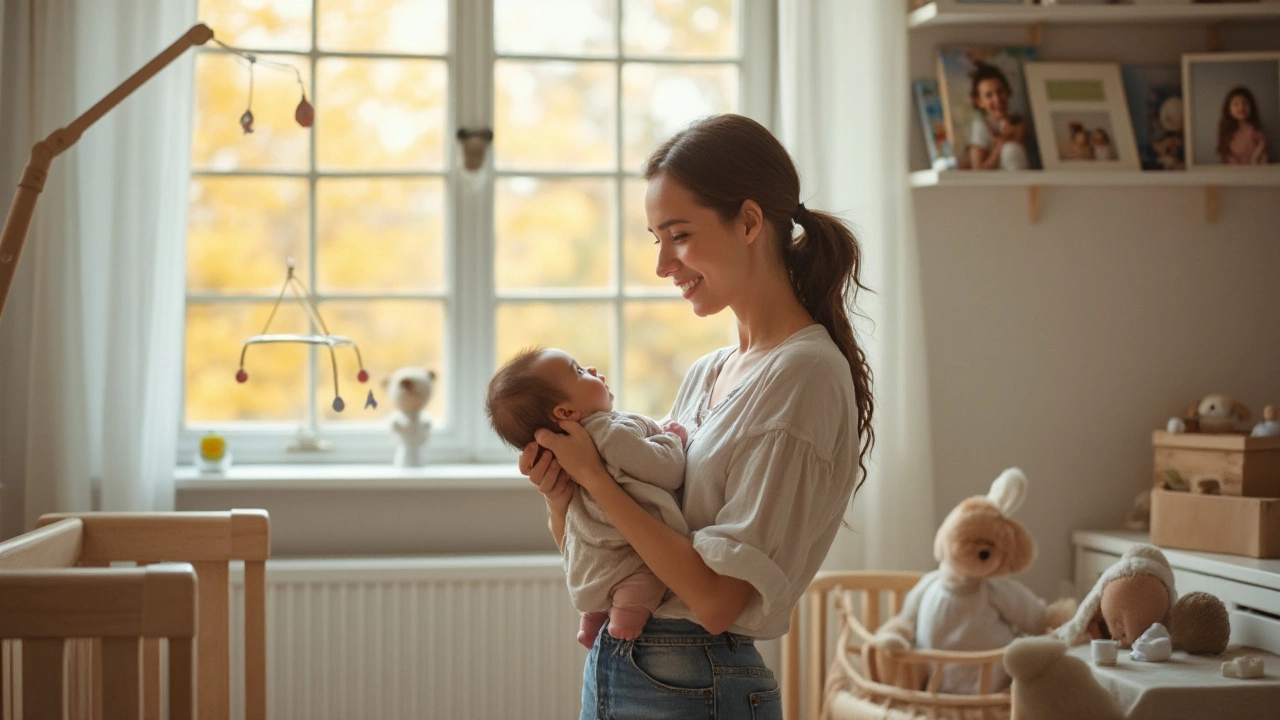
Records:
x=1008, y=491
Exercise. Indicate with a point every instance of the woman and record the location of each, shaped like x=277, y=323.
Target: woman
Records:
x=778, y=430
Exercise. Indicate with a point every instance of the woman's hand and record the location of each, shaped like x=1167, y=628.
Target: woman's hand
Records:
x=545, y=473
x=576, y=452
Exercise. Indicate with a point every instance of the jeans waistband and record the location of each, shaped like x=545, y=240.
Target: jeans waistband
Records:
x=665, y=631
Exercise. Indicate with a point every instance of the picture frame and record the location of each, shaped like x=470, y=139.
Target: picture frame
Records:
x=1154, y=94
x=1215, y=87
x=1081, y=116
x=933, y=123
x=984, y=101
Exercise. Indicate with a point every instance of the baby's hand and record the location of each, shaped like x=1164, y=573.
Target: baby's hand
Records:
x=675, y=428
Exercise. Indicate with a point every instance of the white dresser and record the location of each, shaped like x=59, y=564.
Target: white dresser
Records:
x=1249, y=587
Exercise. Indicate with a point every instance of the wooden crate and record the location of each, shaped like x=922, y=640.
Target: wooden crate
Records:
x=1216, y=523
x=1244, y=466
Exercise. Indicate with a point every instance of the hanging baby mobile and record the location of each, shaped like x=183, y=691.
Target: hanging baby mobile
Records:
x=305, y=114
x=291, y=282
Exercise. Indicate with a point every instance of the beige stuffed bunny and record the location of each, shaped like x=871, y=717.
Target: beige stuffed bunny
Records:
x=968, y=603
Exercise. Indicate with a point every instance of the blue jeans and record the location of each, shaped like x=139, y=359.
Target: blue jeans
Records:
x=675, y=670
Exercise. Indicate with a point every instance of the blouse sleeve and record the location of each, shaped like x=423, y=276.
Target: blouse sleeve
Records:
x=782, y=508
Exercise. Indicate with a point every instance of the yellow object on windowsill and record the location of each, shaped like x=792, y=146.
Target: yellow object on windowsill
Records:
x=212, y=455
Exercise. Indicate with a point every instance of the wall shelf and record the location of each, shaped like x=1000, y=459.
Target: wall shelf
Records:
x=1210, y=180
x=1120, y=178
x=939, y=14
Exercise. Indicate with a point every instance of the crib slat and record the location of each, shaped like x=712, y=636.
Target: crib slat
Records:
x=121, y=696
x=151, y=677
x=42, y=678
x=871, y=610
x=213, y=662
x=255, y=640
x=791, y=668
x=817, y=646
x=181, y=700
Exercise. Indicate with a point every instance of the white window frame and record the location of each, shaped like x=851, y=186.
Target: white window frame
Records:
x=469, y=292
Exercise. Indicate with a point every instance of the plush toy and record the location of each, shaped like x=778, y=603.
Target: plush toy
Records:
x=967, y=603
x=410, y=389
x=1216, y=413
x=1270, y=425
x=1137, y=592
x=1049, y=684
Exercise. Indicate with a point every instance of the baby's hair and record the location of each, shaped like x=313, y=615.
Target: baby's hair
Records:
x=1105, y=137
x=1228, y=125
x=983, y=71
x=520, y=401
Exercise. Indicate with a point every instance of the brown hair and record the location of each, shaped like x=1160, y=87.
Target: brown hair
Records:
x=520, y=401
x=1228, y=125
x=984, y=71
x=725, y=160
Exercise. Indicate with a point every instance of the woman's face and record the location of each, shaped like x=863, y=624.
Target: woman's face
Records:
x=993, y=97
x=700, y=254
x=1080, y=138
x=1240, y=107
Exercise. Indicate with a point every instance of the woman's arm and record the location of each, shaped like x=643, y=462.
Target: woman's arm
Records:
x=553, y=483
x=983, y=159
x=716, y=600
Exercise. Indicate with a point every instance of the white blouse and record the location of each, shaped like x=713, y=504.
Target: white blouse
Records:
x=768, y=472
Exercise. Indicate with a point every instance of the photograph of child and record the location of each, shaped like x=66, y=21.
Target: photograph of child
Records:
x=1155, y=101
x=985, y=100
x=1235, y=112
x=1083, y=135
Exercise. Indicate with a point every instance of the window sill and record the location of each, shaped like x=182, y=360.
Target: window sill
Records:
x=462, y=476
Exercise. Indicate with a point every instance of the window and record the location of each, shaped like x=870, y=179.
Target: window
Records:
x=416, y=259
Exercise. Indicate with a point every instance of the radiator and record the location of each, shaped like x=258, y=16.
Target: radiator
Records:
x=447, y=638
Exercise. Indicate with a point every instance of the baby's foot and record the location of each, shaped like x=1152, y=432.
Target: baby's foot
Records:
x=627, y=624
x=589, y=628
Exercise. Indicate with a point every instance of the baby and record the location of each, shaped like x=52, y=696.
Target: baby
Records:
x=538, y=388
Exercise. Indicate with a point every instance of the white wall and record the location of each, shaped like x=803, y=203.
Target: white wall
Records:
x=1059, y=347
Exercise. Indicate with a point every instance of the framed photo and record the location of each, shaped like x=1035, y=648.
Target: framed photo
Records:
x=934, y=124
x=984, y=101
x=1154, y=93
x=1082, y=118
x=1232, y=108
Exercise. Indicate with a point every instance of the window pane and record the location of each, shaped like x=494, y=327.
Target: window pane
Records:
x=380, y=114
x=582, y=329
x=240, y=232
x=274, y=25
x=277, y=386
x=397, y=26
x=701, y=28
x=380, y=235
x=555, y=115
x=662, y=341
x=277, y=142
x=555, y=27
x=639, y=254
x=390, y=334
x=553, y=233
x=660, y=99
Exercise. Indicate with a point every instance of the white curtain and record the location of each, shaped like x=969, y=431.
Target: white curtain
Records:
x=844, y=114
x=91, y=337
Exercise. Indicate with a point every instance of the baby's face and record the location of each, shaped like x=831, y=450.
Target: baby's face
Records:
x=585, y=387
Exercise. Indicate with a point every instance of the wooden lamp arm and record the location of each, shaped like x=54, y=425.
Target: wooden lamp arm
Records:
x=18, y=221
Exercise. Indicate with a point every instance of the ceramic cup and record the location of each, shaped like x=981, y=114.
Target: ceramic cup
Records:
x=1105, y=651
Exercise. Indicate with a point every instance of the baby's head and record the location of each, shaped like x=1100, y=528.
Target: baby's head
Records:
x=540, y=387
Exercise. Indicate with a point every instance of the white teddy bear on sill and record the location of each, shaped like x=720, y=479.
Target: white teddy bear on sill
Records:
x=410, y=389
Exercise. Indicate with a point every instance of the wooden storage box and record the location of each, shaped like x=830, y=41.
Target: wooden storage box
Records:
x=1216, y=523
x=1244, y=466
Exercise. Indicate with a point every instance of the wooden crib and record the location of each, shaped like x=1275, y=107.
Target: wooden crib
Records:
x=209, y=542
x=861, y=683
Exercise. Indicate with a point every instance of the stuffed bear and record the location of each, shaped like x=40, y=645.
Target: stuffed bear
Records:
x=410, y=389
x=1217, y=413
x=968, y=604
x=1049, y=684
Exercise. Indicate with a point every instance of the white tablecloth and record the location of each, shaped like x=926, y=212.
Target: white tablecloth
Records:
x=1189, y=687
